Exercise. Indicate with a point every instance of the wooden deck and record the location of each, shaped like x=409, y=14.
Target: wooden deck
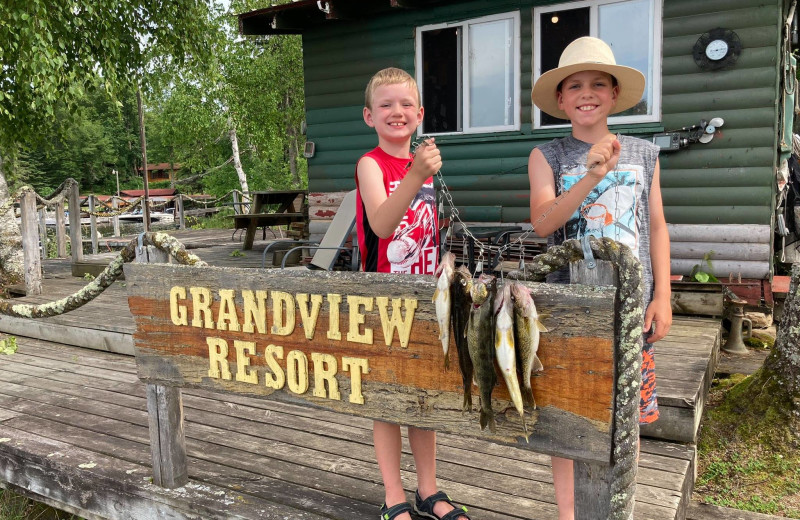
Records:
x=73, y=431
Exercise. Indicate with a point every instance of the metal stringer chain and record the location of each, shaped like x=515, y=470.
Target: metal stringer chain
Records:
x=92, y=290
x=629, y=357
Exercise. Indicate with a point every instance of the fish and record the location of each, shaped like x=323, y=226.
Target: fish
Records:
x=480, y=341
x=459, y=316
x=527, y=328
x=504, y=347
x=441, y=298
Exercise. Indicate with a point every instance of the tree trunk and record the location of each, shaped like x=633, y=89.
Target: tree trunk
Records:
x=784, y=360
x=11, y=261
x=237, y=161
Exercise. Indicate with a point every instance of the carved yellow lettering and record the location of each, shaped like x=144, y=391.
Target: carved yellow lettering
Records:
x=356, y=367
x=297, y=372
x=397, y=321
x=282, y=313
x=325, y=368
x=357, y=319
x=244, y=349
x=218, y=358
x=277, y=378
x=226, y=317
x=178, y=312
x=334, y=300
x=255, y=311
x=201, y=304
x=308, y=316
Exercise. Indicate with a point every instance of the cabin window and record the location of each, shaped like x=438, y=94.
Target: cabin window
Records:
x=631, y=27
x=468, y=75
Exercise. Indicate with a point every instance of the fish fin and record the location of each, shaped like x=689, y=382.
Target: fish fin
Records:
x=446, y=361
x=541, y=327
x=537, y=364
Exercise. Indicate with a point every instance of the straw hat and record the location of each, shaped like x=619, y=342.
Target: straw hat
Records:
x=587, y=53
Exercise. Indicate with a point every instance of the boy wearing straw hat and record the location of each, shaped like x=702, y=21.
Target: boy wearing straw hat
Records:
x=595, y=183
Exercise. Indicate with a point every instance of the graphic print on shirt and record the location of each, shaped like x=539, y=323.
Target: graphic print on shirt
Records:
x=611, y=208
x=413, y=247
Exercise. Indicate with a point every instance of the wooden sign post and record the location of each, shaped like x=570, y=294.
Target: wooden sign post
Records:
x=366, y=344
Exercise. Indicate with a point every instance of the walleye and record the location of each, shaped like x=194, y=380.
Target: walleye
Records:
x=504, y=347
x=441, y=297
x=526, y=334
x=459, y=315
x=480, y=335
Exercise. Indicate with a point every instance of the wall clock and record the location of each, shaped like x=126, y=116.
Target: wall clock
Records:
x=717, y=49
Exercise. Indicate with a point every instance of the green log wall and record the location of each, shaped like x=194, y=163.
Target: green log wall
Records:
x=729, y=180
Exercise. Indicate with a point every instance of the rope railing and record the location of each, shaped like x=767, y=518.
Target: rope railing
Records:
x=96, y=287
x=57, y=197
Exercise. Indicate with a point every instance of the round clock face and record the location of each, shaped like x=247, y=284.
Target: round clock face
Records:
x=716, y=50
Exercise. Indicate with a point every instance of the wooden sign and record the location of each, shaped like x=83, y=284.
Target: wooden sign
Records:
x=367, y=344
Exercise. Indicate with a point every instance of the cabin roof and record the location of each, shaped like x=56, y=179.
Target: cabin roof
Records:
x=299, y=15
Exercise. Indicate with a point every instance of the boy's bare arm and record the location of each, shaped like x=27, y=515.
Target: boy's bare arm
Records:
x=385, y=212
x=659, y=310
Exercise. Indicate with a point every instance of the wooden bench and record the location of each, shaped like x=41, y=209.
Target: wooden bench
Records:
x=366, y=344
x=252, y=221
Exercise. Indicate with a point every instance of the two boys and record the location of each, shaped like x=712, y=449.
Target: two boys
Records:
x=590, y=182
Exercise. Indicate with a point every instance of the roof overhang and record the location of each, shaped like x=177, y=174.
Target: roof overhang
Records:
x=299, y=15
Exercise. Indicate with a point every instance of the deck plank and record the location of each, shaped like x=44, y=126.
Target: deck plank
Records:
x=90, y=404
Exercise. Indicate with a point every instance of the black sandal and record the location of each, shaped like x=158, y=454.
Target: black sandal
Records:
x=424, y=508
x=390, y=513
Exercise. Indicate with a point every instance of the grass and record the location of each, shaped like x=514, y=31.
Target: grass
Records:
x=748, y=459
x=220, y=220
x=18, y=507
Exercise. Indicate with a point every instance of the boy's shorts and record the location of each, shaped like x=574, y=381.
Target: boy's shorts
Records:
x=648, y=400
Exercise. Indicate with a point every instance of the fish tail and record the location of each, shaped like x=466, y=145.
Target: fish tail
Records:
x=487, y=419
x=467, y=406
x=527, y=397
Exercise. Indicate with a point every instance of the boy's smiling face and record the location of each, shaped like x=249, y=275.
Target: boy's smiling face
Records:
x=588, y=97
x=395, y=112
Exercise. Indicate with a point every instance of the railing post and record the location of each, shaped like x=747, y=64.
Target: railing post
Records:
x=181, y=216
x=237, y=208
x=593, y=481
x=43, y=231
x=30, y=244
x=61, y=231
x=75, y=235
x=165, y=415
x=115, y=206
x=93, y=224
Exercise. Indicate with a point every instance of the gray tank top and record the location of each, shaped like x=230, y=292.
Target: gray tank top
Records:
x=618, y=207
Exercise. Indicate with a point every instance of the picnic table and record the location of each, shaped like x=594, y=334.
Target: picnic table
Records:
x=284, y=207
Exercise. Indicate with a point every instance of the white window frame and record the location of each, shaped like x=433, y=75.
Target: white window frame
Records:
x=463, y=88
x=656, y=13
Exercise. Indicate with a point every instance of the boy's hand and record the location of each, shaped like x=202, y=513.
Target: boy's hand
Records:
x=427, y=160
x=603, y=157
x=660, y=312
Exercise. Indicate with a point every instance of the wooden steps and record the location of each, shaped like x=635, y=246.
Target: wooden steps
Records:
x=73, y=428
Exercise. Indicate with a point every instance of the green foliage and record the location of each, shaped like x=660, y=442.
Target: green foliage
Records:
x=698, y=275
x=8, y=345
x=236, y=253
x=18, y=507
x=220, y=220
x=746, y=455
x=53, y=51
